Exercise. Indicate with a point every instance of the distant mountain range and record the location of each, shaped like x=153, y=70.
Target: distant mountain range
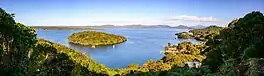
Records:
x=113, y=26
x=182, y=27
x=130, y=26
x=62, y=27
x=199, y=27
x=149, y=26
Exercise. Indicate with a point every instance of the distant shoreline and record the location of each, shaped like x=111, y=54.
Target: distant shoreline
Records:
x=62, y=27
x=110, y=26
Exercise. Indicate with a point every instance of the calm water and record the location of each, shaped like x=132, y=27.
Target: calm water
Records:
x=141, y=46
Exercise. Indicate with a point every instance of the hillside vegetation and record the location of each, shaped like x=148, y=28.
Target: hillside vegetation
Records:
x=21, y=54
x=16, y=40
x=54, y=59
x=232, y=51
x=237, y=46
x=200, y=34
x=93, y=38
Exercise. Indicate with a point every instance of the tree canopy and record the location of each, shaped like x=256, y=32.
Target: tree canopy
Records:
x=232, y=51
x=93, y=38
x=237, y=44
x=16, y=40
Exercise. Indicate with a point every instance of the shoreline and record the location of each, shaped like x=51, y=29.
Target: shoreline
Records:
x=80, y=39
x=62, y=28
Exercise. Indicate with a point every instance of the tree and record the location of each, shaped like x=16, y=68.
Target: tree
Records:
x=16, y=40
x=239, y=42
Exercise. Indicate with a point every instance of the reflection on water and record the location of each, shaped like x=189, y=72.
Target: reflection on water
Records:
x=141, y=44
x=93, y=50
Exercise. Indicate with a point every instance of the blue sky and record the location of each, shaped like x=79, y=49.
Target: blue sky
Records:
x=126, y=12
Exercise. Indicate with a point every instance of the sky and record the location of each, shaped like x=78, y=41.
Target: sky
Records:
x=129, y=12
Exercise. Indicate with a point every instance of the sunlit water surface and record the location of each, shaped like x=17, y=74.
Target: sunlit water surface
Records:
x=141, y=46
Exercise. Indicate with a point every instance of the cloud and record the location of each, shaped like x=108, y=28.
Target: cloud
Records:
x=194, y=19
x=164, y=20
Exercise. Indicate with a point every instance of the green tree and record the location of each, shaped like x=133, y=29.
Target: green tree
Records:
x=239, y=42
x=16, y=40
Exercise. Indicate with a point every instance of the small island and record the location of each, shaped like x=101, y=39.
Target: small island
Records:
x=200, y=34
x=94, y=38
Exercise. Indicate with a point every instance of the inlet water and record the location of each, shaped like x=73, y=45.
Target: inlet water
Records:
x=141, y=46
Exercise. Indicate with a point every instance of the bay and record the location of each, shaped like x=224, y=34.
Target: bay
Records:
x=142, y=45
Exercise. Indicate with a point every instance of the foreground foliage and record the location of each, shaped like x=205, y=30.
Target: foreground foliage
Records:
x=21, y=54
x=239, y=43
x=93, y=38
x=234, y=51
x=16, y=40
x=55, y=59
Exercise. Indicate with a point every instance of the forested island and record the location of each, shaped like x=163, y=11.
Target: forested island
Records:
x=94, y=38
x=200, y=34
x=233, y=51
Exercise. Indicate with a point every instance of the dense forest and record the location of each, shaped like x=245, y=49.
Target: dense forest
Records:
x=93, y=38
x=232, y=51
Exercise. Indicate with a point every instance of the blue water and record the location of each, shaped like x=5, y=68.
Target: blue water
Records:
x=141, y=46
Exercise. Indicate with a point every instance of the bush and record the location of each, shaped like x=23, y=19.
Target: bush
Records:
x=16, y=41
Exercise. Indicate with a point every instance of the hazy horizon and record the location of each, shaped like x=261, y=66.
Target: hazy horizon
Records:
x=129, y=12
x=125, y=25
